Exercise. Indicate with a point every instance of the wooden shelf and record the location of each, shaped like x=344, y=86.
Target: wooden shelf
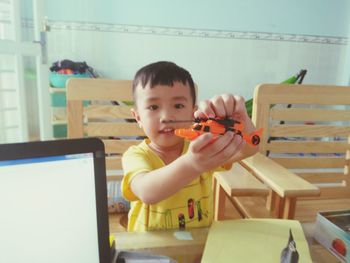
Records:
x=57, y=122
x=57, y=90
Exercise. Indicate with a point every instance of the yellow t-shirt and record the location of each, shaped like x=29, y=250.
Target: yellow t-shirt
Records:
x=190, y=207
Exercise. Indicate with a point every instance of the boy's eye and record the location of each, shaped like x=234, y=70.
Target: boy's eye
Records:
x=179, y=106
x=153, y=107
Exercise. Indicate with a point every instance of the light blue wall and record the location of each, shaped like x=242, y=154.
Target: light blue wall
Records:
x=346, y=68
x=217, y=64
x=310, y=17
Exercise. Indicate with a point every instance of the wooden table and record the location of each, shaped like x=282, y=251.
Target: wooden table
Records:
x=165, y=243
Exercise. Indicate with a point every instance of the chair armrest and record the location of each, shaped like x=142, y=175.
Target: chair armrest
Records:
x=278, y=178
x=239, y=182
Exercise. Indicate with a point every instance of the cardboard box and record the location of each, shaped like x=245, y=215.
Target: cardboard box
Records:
x=333, y=232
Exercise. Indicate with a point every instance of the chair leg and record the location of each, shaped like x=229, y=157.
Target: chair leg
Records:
x=219, y=201
x=271, y=200
x=279, y=206
x=289, y=208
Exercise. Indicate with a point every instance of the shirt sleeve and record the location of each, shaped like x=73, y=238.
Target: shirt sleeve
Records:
x=134, y=161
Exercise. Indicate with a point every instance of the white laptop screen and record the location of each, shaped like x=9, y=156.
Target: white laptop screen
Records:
x=48, y=209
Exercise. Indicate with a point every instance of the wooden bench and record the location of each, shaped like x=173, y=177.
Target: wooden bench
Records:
x=233, y=183
x=281, y=184
x=305, y=145
x=91, y=113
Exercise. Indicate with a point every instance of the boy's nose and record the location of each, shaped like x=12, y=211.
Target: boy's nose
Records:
x=167, y=116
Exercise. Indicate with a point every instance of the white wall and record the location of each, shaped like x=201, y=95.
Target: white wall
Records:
x=219, y=42
x=218, y=63
x=310, y=17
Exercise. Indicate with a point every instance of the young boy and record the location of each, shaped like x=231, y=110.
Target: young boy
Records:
x=167, y=179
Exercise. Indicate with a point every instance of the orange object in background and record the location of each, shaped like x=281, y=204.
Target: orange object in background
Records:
x=218, y=127
x=339, y=246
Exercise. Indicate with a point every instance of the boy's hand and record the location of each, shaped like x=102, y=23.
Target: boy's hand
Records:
x=223, y=106
x=223, y=150
x=204, y=154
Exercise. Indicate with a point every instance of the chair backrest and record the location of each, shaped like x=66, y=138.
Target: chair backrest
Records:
x=310, y=137
x=347, y=163
x=91, y=113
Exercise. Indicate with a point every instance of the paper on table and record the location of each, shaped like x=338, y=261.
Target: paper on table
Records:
x=183, y=235
x=253, y=240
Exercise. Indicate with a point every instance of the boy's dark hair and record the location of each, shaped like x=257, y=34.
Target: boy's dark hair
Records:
x=163, y=73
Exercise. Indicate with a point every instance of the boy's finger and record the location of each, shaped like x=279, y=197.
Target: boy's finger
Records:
x=205, y=108
x=198, y=114
x=239, y=108
x=229, y=104
x=235, y=145
x=218, y=106
x=218, y=144
x=202, y=141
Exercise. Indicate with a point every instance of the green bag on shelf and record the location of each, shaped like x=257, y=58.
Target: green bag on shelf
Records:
x=292, y=80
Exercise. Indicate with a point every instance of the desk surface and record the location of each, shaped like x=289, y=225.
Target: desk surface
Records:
x=165, y=243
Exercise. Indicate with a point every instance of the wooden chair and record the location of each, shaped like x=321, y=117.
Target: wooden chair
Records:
x=301, y=152
x=101, y=119
x=90, y=113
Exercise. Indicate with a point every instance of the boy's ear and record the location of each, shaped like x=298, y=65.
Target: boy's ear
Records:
x=195, y=108
x=136, y=116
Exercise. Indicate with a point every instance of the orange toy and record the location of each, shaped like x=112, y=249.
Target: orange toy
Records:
x=218, y=127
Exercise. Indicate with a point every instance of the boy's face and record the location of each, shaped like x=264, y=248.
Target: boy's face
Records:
x=159, y=104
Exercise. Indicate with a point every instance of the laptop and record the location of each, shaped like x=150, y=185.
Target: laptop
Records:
x=53, y=202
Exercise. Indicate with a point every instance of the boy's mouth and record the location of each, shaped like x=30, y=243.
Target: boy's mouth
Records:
x=167, y=131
